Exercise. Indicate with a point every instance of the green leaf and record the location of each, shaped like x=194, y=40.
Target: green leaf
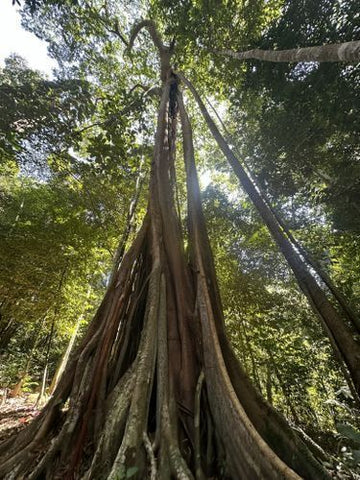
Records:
x=349, y=432
x=130, y=472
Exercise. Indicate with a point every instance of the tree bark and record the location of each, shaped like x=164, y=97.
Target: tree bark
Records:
x=348, y=52
x=65, y=358
x=129, y=227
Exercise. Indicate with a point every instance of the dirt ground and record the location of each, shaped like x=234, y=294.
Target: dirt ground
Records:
x=15, y=413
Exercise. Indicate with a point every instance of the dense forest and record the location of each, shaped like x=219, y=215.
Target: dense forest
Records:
x=180, y=242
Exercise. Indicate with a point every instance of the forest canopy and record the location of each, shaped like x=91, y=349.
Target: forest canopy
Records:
x=179, y=241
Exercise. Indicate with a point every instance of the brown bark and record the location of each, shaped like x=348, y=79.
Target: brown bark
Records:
x=341, y=336
x=348, y=52
x=129, y=227
x=164, y=50
x=312, y=262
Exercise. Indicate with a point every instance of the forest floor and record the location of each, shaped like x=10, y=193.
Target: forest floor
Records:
x=16, y=413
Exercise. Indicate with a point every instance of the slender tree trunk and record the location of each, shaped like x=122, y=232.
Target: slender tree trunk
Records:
x=348, y=52
x=8, y=328
x=16, y=390
x=269, y=384
x=65, y=358
x=41, y=396
x=285, y=390
x=341, y=336
x=312, y=262
x=309, y=259
x=251, y=355
x=267, y=421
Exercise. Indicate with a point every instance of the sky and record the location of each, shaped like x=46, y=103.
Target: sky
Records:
x=14, y=39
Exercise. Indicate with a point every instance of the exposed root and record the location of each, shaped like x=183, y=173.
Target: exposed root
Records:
x=117, y=410
x=151, y=456
x=251, y=458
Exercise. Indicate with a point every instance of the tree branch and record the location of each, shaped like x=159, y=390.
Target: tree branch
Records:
x=164, y=51
x=116, y=28
x=151, y=28
x=148, y=92
x=119, y=34
x=337, y=52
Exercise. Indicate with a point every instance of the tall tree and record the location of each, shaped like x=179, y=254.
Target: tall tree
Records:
x=154, y=389
x=157, y=356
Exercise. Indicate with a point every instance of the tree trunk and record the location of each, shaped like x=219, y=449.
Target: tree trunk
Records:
x=348, y=52
x=346, y=348
x=16, y=390
x=313, y=263
x=8, y=326
x=309, y=259
x=271, y=426
x=154, y=390
x=65, y=358
x=129, y=227
x=8, y=329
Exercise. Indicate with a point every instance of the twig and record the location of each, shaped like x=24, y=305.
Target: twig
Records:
x=148, y=91
x=115, y=30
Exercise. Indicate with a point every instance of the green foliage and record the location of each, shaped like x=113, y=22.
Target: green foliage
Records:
x=349, y=432
x=38, y=116
x=64, y=200
x=199, y=27
x=303, y=138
